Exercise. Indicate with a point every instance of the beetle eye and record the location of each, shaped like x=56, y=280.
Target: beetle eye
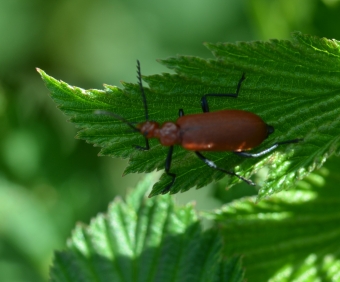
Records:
x=270, y=129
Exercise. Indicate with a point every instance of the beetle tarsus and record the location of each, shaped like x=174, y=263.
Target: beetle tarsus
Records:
x=204, y=101
x=141, y=148
x=214, y=166
x=168, y=187
x=167, y=169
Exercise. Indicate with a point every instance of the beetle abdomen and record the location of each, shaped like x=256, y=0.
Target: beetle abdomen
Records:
x=227, y=130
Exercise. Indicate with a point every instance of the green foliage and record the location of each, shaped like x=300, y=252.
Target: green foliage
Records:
x=48, y=180
x=292, y=84
x=293, y=236
x=145, y=240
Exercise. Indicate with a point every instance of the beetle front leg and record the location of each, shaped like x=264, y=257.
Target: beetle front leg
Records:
x=167, y=169
x=168, y=162
x=146, y=148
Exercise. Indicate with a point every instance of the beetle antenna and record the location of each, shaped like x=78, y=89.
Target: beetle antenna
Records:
x=139, y=76
x=108, y=113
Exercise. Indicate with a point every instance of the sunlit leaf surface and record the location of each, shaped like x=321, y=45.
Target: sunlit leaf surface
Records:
x=145, y=240
x=292, y=236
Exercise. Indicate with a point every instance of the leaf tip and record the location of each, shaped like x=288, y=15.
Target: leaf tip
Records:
x=152, y=194
x=161, y=61
x=43, y=74
x=40, y=71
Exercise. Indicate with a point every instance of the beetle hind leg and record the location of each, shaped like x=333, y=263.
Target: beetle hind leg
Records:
x=268, y=150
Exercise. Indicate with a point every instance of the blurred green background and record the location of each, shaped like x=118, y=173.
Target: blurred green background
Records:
x=48, y=179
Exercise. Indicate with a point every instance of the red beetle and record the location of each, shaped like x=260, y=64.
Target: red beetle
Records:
x=227, y=130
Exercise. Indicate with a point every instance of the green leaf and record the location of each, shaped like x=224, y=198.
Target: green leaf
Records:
x=293, y=236
x=292, y=84
x=144, y=240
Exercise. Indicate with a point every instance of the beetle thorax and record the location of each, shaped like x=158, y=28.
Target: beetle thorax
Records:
x=168, y=134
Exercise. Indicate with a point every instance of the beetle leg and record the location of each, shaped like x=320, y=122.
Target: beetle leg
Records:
x=266, y=151
x=204, y=102
x=168, y=162
x=146, y=148
x=167, y=168
x=213, y=165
